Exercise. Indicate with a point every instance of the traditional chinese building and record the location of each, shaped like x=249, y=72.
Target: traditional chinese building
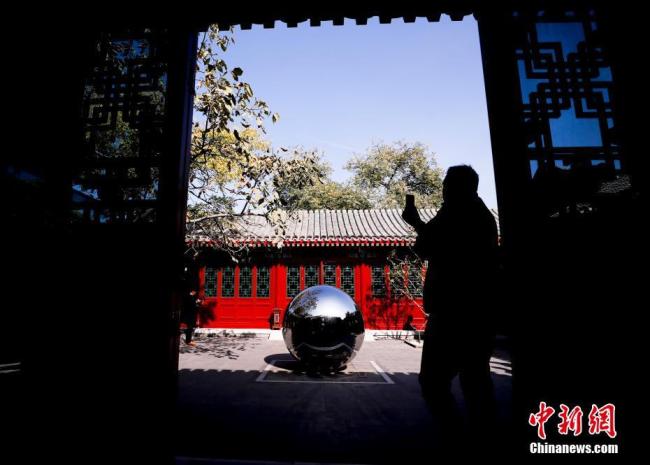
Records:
x=562, y=87
x=366, y=253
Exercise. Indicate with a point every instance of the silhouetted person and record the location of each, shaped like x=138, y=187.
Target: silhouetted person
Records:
x=189, y=314
x=408, y=324
x=460, y=244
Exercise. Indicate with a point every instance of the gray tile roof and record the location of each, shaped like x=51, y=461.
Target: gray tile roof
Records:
x=376, y=227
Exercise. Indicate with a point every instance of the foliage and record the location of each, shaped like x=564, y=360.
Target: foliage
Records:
x=234, y=171
x=319, y=192
x=331, y=195
x=236, y=175
x=387, y=172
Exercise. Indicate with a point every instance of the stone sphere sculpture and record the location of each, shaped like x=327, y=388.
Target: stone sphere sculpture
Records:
x=323, y=328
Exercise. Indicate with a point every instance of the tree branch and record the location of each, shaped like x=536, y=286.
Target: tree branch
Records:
x=216, y=216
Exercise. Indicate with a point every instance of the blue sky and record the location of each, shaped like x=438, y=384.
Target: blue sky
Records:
x=341, y=88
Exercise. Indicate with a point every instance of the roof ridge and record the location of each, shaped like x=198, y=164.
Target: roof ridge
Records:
x=371, y=226
x=355, y=209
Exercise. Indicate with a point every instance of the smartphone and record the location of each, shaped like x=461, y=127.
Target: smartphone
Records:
x=410, y=201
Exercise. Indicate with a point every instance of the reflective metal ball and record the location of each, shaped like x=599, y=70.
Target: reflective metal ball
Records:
x=323, y=328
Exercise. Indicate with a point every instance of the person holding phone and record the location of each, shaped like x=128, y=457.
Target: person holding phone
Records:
x=460, y=245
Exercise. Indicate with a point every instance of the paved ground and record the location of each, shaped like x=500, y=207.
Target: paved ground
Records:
x=239, y=399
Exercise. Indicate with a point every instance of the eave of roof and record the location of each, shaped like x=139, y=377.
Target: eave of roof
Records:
x=326, y=228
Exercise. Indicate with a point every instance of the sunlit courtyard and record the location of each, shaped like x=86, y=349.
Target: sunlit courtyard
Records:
x=244, y=388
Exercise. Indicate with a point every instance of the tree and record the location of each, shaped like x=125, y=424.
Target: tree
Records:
x=236, y=175
x=292, y=187
x=234, y=172
x=406, y=279
x=387, y=172
x=331, y=195
x=320, y=192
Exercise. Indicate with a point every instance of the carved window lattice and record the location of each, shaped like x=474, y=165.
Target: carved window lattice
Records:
x=347, y=279
x=396, y=279
x=293, y=281
x=312, y=275
x=378, y=281
x=117, y=174
x=245, y=281
x=263, y=281
x=329, y=274
x=568, y=104
x=210, y=282
x=415, y=280
x=228, y=282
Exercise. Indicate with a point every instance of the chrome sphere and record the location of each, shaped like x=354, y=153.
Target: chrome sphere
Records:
x=323, y=328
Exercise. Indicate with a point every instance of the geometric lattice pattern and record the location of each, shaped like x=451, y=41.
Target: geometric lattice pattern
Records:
x=312, y=277
x=263, y=281
x=245, y=281
x=415, y=280
x=116, y=178
x=293, y=281
x=396, y=277
x=378, y=281
x=347, y=280
x=329, y=274
x=228, y=281
x=566, y=95
x=210, y=282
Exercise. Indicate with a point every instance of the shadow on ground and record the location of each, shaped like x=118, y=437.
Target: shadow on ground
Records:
x=229, y=347
x=229, y=414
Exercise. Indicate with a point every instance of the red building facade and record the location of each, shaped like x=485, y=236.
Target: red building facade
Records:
x=365, y=253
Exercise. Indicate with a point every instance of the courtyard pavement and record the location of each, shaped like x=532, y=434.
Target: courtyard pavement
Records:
x=239, y=399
